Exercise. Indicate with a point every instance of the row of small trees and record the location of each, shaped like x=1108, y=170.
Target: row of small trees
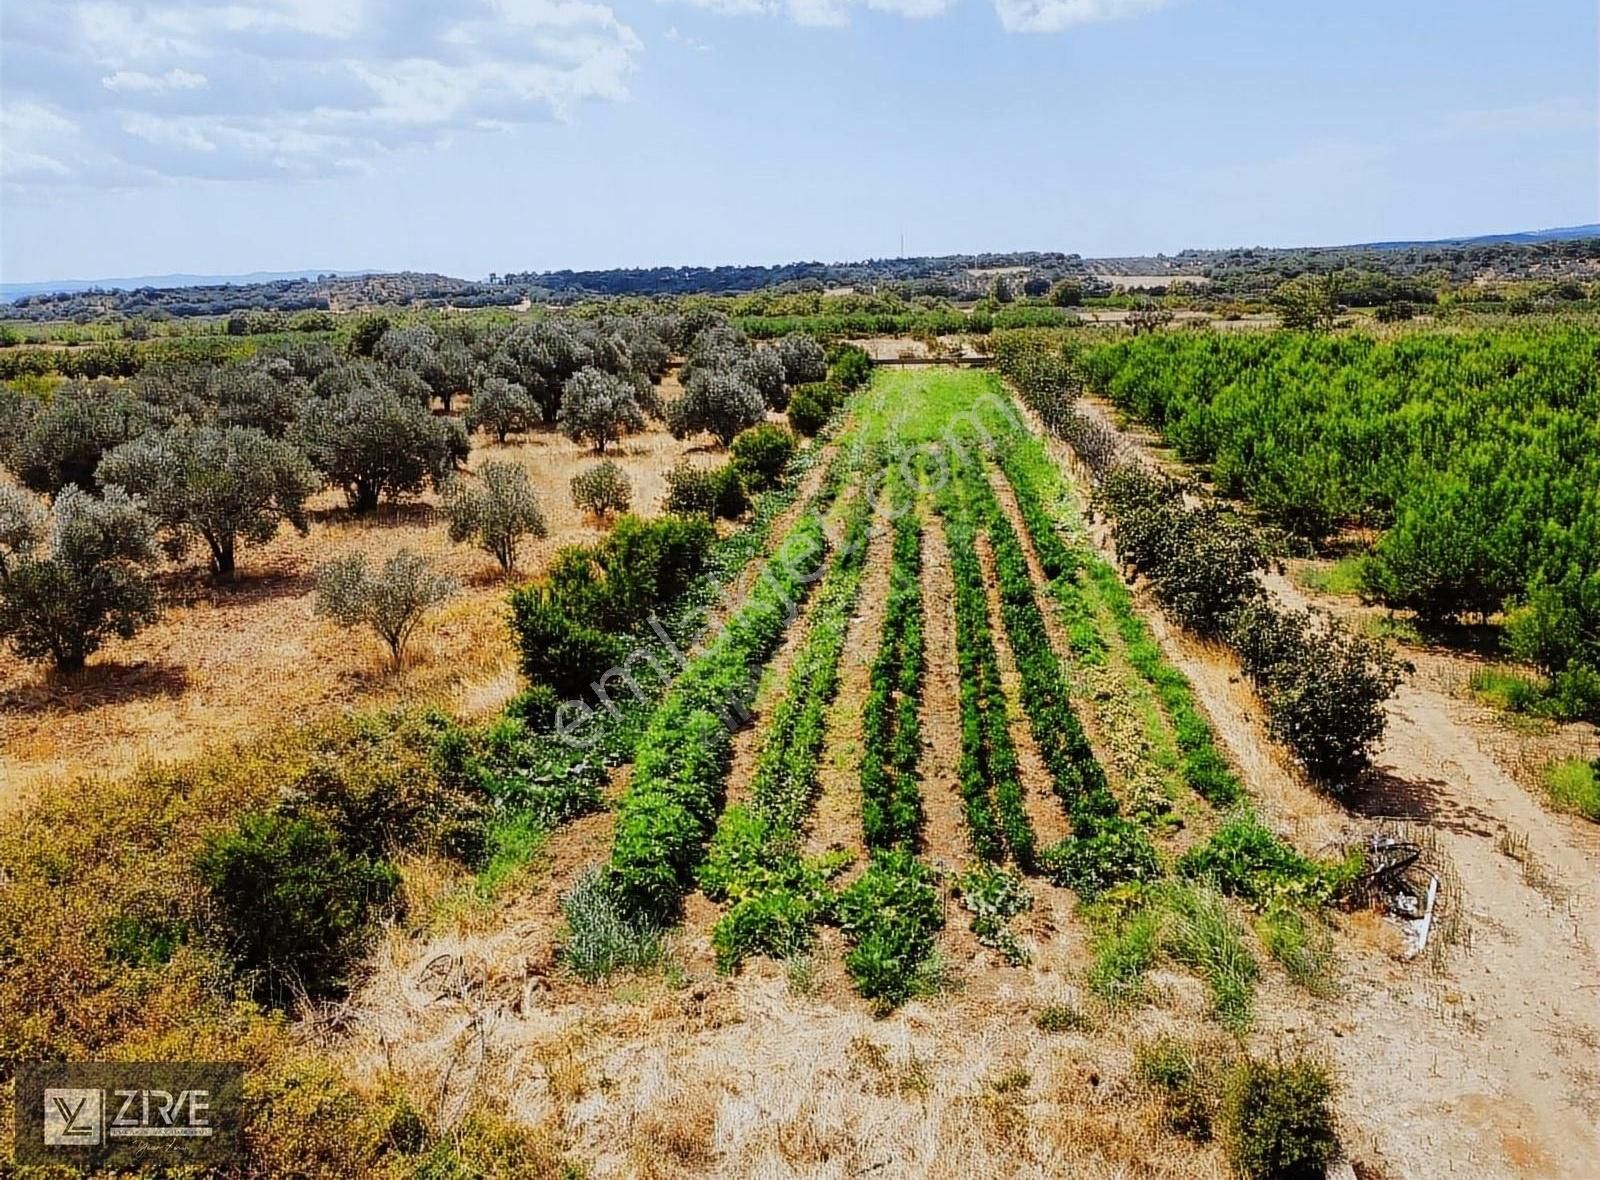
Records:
x=1324, y=686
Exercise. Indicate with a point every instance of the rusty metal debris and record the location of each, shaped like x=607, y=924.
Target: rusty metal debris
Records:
x=1397, y=880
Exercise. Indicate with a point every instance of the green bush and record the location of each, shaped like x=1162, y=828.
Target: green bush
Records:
x=710, y=492
x=850, y=367
x=807, y=415
x=761, y=453
x=572, y=626
x=1245, y=858
x=292, y=907
x=1277, y=1120
x=777, y=922
x=557, y=651
x=1103, y=852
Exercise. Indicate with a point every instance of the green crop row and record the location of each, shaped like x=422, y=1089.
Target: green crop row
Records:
x=990, y=786
x=1204, y=768
x=891, y=803
x=681, y=762
x=754, y=859
x=1079, y=779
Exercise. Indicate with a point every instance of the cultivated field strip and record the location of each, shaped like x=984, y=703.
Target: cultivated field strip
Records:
x=891, y=726
x=774, y=895
x=681, y=762
x=997, y=820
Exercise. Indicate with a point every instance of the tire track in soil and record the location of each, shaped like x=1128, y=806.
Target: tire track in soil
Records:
x=1490, y=1060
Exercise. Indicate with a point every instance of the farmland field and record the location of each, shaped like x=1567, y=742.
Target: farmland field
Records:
x=909, y=827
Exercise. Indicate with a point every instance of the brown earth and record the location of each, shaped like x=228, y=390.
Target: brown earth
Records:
x=225, y=661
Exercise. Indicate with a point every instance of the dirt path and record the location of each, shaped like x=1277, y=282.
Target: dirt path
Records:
x=1491, y=1061
x=946, y=843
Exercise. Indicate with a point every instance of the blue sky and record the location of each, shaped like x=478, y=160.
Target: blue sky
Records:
x=148, y=136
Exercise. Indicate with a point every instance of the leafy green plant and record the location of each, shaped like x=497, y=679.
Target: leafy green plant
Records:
x=1105, y=851
x=994, y=896
x=1277, y=1121
x=1245, y=858
x=891, y=915
x=292, y=906
x=990, y=787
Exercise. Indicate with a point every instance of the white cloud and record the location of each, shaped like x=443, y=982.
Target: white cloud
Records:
x=1016, y=16
x=1055, y=16
x=822, y=13
x=240, y=88
x=135, y=80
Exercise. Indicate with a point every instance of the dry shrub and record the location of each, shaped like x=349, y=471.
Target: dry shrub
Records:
x=677, y=1137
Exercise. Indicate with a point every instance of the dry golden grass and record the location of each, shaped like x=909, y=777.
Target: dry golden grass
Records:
x=228, y=661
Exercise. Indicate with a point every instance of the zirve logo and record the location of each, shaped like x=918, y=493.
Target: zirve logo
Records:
x=72, y=1118
x=120, y=1114
x=77, y=1117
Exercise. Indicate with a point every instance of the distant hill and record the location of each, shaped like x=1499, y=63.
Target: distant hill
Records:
x=1570, y=233
x=11, y=291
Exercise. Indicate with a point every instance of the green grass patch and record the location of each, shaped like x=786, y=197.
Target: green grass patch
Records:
x=1341, y=577
x=1573, y=785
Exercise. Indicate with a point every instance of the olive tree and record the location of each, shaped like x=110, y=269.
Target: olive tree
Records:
x=541, y=357
x=496, y=512
x=804, y=362
x=445, y=366
x=501, y=407
x=763, y=370
x=222, y=486
x=374, y=443
x=264, y=395
x=79, y=579
x=716, y=401
x=21, y=527
x=62, y=441
x=392, y=600
x=599, y=408
x=603, y=490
